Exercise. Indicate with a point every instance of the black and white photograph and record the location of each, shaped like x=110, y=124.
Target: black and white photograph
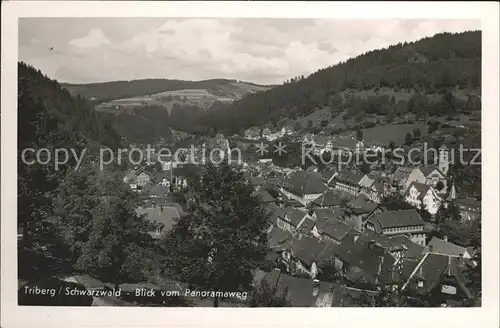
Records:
x=249, y=162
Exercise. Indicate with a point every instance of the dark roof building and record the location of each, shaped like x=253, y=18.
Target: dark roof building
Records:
x=304, y=183
x=395, y=219
x=327, y=199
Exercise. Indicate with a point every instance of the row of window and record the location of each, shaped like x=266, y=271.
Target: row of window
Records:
x=400, y=229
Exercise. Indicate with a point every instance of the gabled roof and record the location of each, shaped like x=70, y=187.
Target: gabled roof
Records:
x=394, y=243
x=427, y=170
x=422, y=189
x=304, y=183
x=279, y=238
x=301, y=291
x=443, y=247
x=435, y=268
x=402, y=173
x=307, y=224
x=365, y=259
x=335, y=229
x=395, y=219
x=310, y=249
x=363, y=203
x=293, y=216
x=349, y=177
x=328, y=198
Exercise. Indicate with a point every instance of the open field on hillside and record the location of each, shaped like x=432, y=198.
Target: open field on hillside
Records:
x=202, y=98
x=384, y=134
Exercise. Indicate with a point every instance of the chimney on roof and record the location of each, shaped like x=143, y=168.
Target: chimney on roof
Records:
x=431, y=248
x=445, y=238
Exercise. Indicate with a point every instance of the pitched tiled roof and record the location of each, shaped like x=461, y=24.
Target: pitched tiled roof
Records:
x=422, y=189
x=309, y=249
x=303, y=183
x=362, y=202
x=293, y=216
x=337, y=230
x=307, y=224
x=426, y=170
x=301, y=291
x=325, y=214
x=444, y=247
x=368, y=257
x=278, y=238
x=328, y=198
x=434, y=269
x=349, y=177
x=394, y=219
x=401, y=174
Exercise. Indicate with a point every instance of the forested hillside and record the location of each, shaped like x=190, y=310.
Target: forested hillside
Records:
x=443, y=66
x=54, y=106
x=84, y=218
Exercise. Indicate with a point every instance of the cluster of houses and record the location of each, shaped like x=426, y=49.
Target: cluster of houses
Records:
x=256, y=133
x=334, y=219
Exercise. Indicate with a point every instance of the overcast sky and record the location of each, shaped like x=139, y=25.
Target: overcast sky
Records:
x=266, y=51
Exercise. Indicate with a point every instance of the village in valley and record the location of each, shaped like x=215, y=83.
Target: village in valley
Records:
x=340, y=235
x=356, y=186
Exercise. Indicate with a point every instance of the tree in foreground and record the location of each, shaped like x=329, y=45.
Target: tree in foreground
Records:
x=221, y=241
x=96, y=220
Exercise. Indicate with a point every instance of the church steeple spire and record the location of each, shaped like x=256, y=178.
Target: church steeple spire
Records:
x=452, y=195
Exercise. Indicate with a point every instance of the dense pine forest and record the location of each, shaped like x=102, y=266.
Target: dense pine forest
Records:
x=72, y=218
x=54, y=104
x=439, y=65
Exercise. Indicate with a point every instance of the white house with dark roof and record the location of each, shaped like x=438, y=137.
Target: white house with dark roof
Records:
x=401, y=222
x=303, y=186
x=421, y=195
x=404, y=176
x=349, y=182
x=433, y=175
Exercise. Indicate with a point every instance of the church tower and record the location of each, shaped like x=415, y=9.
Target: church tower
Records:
x=444, y=159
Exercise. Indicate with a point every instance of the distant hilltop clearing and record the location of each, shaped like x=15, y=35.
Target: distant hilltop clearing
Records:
x=162, y=91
